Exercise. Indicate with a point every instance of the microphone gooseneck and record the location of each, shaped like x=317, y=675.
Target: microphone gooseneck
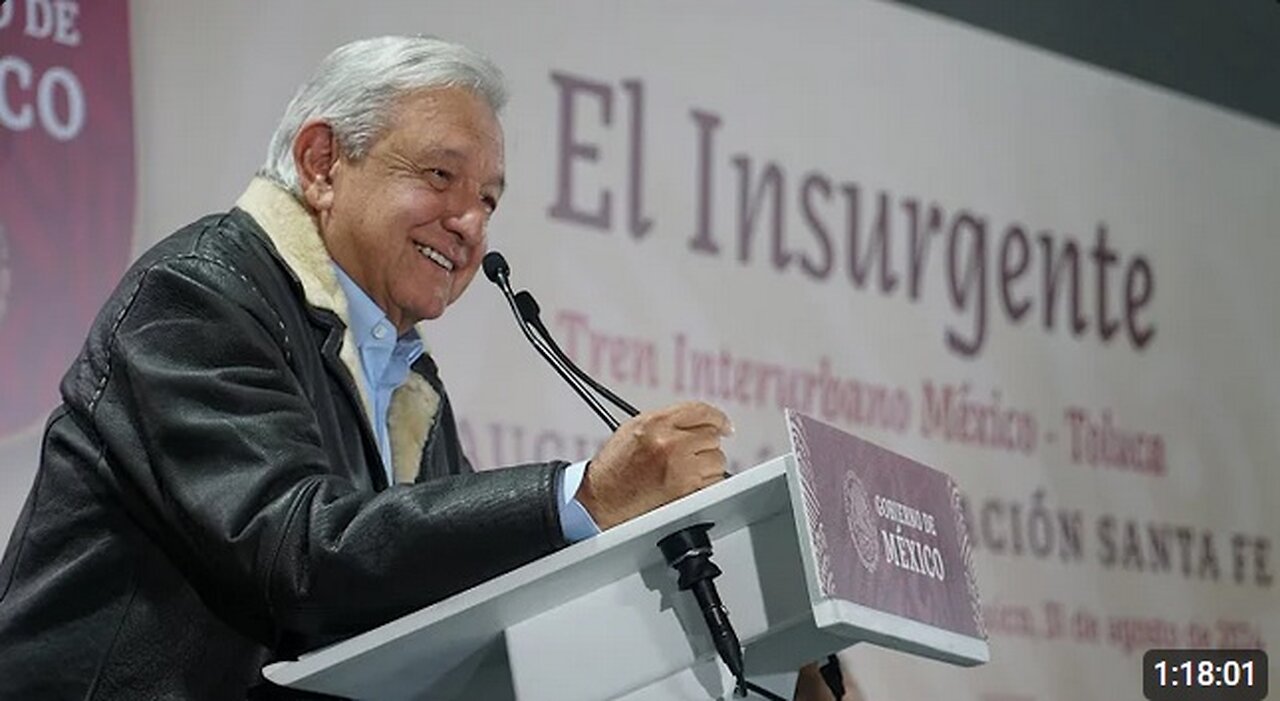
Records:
x=499, y=273
x=528, y=309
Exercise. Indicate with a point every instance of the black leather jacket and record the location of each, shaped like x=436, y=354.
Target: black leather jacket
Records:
x=210, y=495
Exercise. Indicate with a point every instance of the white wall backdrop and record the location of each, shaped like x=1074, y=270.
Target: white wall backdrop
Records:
x=1119, y=456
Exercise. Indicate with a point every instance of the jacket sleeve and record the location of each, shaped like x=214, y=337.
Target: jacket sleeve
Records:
x=217, y=453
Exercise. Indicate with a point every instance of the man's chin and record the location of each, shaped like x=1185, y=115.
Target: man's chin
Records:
x=435, y=310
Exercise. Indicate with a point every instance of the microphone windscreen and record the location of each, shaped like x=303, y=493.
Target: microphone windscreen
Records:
x=495, y=267
x=527, y=305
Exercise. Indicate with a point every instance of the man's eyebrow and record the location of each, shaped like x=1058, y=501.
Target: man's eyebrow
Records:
x=444, y=151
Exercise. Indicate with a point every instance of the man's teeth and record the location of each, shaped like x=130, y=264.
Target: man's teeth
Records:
x=435, y=256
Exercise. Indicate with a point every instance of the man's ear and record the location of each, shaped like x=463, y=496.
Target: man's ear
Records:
x=315, y=156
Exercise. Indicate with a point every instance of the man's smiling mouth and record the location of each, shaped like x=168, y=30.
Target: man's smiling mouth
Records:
x=435, y=256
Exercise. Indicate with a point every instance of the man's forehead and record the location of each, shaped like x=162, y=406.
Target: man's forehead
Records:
x=452, y=124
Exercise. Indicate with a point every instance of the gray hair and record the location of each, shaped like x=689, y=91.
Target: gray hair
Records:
x=356, y=87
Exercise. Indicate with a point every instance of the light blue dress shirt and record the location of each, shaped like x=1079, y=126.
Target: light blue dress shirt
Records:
x=386, y=360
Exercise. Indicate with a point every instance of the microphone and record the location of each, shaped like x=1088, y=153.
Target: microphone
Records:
x=495, y=267
x=499, y=273
x=688, y=551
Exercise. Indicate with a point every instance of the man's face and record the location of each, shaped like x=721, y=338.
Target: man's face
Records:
x=407, y=222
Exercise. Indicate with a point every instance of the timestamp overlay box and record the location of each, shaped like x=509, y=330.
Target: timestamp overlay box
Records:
x=1204, y=675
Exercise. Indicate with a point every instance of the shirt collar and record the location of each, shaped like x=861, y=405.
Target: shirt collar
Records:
x=369, y=324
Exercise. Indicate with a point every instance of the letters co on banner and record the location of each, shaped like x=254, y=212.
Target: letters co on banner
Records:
x=66, y=187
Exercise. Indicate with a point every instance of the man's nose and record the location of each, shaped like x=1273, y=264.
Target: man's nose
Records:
x=467, y=218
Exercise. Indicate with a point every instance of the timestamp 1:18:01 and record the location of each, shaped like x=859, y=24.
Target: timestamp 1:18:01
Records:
x=1205, y=673
x=1193, y=675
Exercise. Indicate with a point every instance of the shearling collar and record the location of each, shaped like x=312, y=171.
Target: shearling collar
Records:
x=293, y=232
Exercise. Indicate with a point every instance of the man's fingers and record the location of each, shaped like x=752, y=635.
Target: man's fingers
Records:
x=712, y=479
x=713, y=462
x=709, y=463
x=696, y=415
x=709, y=449
x=711, y=431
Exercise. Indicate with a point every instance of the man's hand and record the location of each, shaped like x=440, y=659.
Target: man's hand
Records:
x=654, y=458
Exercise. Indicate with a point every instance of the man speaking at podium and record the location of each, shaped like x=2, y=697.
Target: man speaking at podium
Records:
x=255, y=455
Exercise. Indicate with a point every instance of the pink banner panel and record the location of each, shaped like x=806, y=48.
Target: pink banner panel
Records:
x=66, y=187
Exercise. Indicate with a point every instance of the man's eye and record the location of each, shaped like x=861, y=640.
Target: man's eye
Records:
x=439, y=176
x=491, y=204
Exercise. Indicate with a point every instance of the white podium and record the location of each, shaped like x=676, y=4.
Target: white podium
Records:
x=603, y=619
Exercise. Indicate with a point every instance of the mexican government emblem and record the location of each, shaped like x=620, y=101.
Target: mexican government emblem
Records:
x=861, y=522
